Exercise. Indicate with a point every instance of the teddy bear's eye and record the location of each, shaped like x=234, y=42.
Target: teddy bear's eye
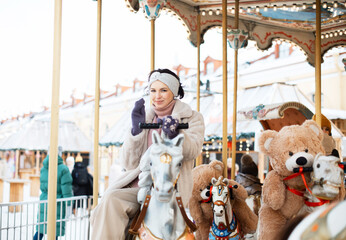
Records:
x=290, y=153
x=306, y=150
x=318, y=165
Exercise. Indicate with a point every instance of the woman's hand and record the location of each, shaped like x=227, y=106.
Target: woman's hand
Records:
x=138, y=116
x=170, y=126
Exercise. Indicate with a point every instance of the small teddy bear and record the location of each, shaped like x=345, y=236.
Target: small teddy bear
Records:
x=200, y=201
x=292, y=147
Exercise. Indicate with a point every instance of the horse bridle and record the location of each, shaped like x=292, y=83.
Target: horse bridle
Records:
x=166, y=158
x=223, y=204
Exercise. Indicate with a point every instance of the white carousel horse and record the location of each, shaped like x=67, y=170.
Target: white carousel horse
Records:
x=163, y=215
x=224, y=224
x=327, y=181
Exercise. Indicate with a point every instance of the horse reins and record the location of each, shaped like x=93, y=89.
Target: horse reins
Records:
x=300, y=193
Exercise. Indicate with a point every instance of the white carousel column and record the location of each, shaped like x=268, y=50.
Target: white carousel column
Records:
x=54, y=125
x=97, y=107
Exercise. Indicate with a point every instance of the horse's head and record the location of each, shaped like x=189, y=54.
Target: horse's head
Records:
x=166, y=156
x=327, y=176
x=219, y=195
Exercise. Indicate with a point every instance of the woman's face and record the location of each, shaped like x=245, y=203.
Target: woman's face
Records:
x=160, y=94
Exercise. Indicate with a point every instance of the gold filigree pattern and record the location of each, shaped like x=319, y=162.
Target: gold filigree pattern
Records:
x=166, y=158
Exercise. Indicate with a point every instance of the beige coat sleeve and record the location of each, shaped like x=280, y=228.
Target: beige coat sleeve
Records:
x=194, y=136
x=133, y=149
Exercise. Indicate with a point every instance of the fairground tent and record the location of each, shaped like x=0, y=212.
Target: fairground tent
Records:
x=34, y=135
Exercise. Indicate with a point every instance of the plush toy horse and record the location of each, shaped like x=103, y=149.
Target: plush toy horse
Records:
x=163, y=215
x=327, y=177
x=225, y=225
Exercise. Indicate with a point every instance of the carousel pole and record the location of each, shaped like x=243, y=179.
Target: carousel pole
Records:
x=97, y=107
x=37, y=168
x=224, y=73
x=199, y=158
x=17, y=164
x=54, y=123
x=235, y=87
x=152, y=57
x=198, y=59
x=318, y=64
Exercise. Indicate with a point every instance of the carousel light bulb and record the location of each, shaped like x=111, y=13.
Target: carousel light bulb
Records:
x=335, y=34
x=335, y=4
x=232, y=10
x=217, y=12
x=324, y=5
x=284, y=7
x=327, y=36
x=322, y=36
x=275, y=7
x=210, y=12
x=330, y=34
x=248, y=9
x=314, y=6
x=345, y=32
x=265, y=8
x=340, y=33
x=203, y=13
x=257, y=9
x=304, y=6
x=294, y=6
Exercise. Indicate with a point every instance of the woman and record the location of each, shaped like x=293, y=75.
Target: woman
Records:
x=111, y=217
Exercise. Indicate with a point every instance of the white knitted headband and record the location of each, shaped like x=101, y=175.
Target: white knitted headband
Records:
x=168, y=79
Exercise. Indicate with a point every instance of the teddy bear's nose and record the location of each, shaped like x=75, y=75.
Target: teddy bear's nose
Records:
x=301, y=161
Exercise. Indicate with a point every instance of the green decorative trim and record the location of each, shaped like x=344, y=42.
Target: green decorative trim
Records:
x=229, y=137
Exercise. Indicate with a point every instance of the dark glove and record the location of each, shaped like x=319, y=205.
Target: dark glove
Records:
x=137, y=116
x=170, y=126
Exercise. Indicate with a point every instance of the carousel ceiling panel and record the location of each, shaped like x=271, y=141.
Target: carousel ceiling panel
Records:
x=265, y=21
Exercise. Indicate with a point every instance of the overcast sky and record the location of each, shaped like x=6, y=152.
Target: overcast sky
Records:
x=26, y=49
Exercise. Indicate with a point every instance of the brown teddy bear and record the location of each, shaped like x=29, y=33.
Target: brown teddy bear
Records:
x=292, y=147
x=200, y=201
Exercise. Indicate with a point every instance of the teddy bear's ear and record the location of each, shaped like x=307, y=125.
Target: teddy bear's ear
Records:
x=265, y=140
x=312, y=125
x=217, y=165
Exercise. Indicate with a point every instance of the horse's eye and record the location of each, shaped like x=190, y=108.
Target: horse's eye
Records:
x=318, y=165
x=179, y=164
x=306, y=150
x=290, y=153
x=151, y=164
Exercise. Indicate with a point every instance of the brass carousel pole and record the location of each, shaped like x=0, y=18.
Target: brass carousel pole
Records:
x=97, y=106
x=318, y=64
x=152, y=60
x=224, y=73
x=199, y=158
x=54, y=123
x=235, y=87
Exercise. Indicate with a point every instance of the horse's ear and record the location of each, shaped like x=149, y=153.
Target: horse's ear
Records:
x=178, y=140
x=225, y=181
x=156, y=138
x=213, y=180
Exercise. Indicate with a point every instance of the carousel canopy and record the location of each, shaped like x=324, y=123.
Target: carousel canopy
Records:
x=35, y=135
x=265, y=21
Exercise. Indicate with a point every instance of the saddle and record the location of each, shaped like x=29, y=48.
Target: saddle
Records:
x=137, y=221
